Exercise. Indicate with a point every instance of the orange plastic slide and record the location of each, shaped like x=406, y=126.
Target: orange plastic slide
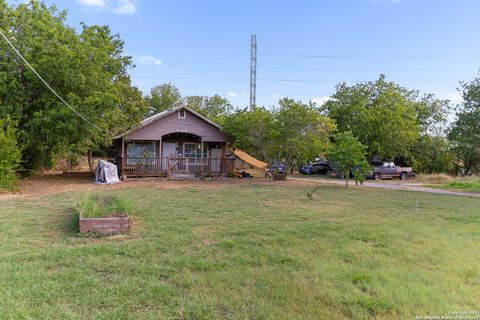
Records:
x=250, y=160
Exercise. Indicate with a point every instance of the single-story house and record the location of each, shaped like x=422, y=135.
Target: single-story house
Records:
x=178, y=142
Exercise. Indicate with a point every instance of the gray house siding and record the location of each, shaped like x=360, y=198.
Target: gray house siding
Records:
x=171, y=123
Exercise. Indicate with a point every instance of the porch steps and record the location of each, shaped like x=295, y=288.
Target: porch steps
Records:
x=181, y=176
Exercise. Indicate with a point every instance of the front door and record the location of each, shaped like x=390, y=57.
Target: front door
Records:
x=216, y=155
x=169, y=150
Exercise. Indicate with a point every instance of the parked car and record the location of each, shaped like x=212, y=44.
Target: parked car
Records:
x=388, y=170
x=275, y=168
x=315, y=168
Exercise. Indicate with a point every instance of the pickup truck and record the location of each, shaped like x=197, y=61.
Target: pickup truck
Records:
x=388, y=170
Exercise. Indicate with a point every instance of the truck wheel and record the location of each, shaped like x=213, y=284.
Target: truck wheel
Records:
x=403, y=176
x=376, y=176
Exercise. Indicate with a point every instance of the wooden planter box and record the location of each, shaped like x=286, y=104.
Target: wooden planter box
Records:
x=108, y=225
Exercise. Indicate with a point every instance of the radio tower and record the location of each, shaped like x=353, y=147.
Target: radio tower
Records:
x=253, y=71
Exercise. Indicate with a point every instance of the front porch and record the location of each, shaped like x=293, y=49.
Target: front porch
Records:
x=174, y=167
x=174, y=155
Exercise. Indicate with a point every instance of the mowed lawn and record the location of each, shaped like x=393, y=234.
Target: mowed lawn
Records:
x=252, y=251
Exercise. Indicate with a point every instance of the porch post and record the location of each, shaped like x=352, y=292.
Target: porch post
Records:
x=203, y=160
x=159, y=154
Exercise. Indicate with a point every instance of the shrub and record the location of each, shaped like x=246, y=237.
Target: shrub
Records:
x=10, y=155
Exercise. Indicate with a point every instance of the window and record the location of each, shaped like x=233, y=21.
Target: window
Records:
x=140, y=151
x=194, y=150
x=182, y=114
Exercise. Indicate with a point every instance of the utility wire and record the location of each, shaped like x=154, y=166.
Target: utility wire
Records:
x=341, y=81
x=48, y=86
x=211, y=83
x=190, y=73
x=354, y=68
x=292, y=94
x=205, y=60
x=363, y=57
x=306, y=56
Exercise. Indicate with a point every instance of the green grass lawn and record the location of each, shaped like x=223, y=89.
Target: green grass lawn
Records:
x=254, y=251
x=469, y=185
x=443, y=181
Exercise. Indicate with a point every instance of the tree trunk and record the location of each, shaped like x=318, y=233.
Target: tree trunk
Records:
x=90, y=162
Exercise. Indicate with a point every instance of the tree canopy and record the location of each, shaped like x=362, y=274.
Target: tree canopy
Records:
x=10, y=155
x=385, y=117
x=465, y=131
x=216, y=108
x=347, y=154
x=87, y=69
x=163, y=97
x=294, y=132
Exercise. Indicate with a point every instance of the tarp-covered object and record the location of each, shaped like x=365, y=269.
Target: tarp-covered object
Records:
x=106, y=173
x=250, y=160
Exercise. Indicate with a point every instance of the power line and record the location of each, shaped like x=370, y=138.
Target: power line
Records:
x=306, y=56
x=205, y=60
x=192, y=73
x=211, y=83
x=341, y=81
x=355, y=68
x=48, y=86
x=293, y=94
x=420, y=57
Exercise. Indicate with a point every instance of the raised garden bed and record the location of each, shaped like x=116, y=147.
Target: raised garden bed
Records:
x=110, y=225
x=103, y=215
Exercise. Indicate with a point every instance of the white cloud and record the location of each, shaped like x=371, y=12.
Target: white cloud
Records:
x=115, y=6
x=125, y=7
x=92, y=3
x=320, y=100
x=454, y=97
x=149, y=61
x=232, y=94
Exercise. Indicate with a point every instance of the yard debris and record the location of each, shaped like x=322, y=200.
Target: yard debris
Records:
x=106, y=173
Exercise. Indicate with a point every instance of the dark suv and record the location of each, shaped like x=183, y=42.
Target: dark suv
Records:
x=315, y=168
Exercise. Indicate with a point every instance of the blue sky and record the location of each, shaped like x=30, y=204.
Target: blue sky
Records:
x=304, y=47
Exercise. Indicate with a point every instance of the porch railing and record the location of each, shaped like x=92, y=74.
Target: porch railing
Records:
x=132, y=166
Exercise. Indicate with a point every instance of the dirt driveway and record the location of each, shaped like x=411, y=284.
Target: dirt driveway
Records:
x=56, y=182
x=391, y=185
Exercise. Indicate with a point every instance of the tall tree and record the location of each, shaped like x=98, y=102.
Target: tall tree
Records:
x=300, y=133
x=163, y=97
x=215, y=107
x=431, y=153
x=10, y=155
x=291, y=133
x=88, y=69
x=385, y=117
x=465, y=131
x=252, y=131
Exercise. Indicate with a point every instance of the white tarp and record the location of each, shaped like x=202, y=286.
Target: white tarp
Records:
x=106, y=173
